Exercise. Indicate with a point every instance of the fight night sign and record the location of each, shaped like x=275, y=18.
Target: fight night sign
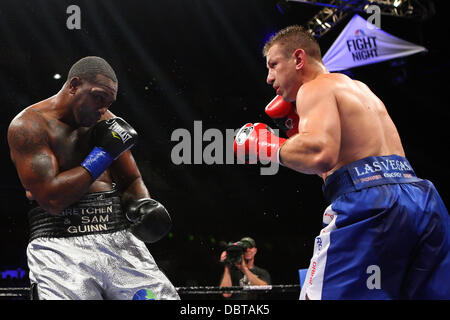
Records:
x=361, y=43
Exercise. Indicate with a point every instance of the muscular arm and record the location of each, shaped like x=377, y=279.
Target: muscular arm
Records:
x=315, y=149
x=38, y=169
x=126, y=174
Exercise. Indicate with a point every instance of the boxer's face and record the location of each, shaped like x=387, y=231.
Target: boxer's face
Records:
x=93, y=99
x=282, y=74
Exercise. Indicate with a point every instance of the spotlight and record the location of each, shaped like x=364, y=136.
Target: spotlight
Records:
x=56, y=76
x=283, y=7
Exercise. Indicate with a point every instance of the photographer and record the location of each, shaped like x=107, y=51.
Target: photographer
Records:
x=240, y=269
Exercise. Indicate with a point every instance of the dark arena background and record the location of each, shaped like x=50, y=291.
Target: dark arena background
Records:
x=194, y=65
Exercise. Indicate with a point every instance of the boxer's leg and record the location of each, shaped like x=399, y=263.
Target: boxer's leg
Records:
x=132, y=272
x=364, y=251
x=58, y=269
x=428, y=274
x=312, y=287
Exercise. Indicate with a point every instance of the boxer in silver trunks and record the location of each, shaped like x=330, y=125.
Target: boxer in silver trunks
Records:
x=94, y=211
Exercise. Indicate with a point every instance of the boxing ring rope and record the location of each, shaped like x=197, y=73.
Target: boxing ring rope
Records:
x=238, y=289
x=15, y=292
x=24, y=292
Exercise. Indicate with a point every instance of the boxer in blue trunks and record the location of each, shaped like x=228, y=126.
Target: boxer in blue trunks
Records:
x=386, y=232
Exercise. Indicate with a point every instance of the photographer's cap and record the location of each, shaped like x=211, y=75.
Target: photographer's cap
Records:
x=250, y=241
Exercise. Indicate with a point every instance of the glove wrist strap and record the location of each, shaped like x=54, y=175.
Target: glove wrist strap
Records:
x=97, y=162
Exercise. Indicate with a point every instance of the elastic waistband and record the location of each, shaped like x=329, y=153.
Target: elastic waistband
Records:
x=368, y=172
x=98, y=212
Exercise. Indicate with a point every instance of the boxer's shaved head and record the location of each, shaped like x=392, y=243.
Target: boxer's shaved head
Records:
x=89, y=67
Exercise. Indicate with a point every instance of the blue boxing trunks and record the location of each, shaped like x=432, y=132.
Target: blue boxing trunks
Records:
x=386, y=235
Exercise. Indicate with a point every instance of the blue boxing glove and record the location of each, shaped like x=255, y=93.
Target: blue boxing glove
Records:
x=110, y=139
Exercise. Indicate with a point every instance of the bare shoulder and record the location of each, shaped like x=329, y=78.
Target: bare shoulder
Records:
x=324, y=86
x=27, y=129
x=342, y=81
x=336, y=80
x=324, y=83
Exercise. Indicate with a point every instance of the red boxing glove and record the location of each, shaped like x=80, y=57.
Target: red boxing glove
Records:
x=257, y=141
x=284, y=114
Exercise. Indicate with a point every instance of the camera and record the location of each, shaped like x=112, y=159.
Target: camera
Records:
x=234, y=251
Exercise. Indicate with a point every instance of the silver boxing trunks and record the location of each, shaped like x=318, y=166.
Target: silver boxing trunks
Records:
x=87, y=253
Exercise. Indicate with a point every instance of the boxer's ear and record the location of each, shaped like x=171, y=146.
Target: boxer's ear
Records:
x=74, y=84
x=300, y=56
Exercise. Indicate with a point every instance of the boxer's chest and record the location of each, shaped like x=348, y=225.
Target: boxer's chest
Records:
x=68, y=145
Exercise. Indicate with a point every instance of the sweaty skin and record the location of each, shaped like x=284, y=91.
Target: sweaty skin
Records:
x=50, y=139
x=341, y=120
